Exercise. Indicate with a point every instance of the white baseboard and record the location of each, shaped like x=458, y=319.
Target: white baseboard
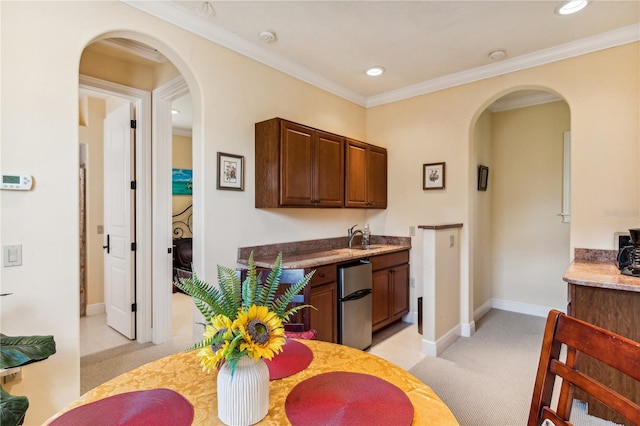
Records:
x=521, y=308
x=433, y=349
x=468, y=329
x=482, y=310
x=95, y=309
x=411, y=317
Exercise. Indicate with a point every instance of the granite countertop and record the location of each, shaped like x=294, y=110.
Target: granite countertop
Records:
x=314, y=253
x=597, y=268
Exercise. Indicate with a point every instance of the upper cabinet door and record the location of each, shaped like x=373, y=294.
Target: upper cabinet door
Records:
x=329, y=170
x=377, y=178
x=366, y=175
x=299, y=166
x=297, y=150
x=356, y=175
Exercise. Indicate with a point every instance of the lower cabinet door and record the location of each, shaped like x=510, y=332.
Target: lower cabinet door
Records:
x=400, y=299
x=380, y=314
x=324, y=318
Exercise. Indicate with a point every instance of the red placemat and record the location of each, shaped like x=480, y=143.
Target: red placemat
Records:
x=158, y=407
x=294, y=357
x=343, y=398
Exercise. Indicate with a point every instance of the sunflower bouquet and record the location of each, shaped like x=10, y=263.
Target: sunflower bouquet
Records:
x=243, y=318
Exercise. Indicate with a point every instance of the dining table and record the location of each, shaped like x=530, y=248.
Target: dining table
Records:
x=309, y=363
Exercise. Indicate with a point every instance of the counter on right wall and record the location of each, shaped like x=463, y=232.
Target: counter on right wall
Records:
x=599, y=294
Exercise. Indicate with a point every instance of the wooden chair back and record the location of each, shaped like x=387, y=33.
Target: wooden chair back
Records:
x=581, y=339
x=302, y=321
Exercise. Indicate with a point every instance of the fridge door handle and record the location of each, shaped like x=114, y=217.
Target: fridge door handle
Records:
x=357, y=295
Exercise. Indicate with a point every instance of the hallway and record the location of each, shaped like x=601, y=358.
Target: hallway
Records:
x=96, y=336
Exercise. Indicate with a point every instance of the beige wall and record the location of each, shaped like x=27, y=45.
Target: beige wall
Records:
x=92, y=134
x=529, y=240
x=181, y=159
x=602, y=92
x=141, y=74
x=481, y=220
x=231, y=93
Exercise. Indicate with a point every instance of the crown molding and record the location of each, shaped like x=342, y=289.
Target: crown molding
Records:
x=167, y=11
x=572, y=49
x=136, y=48
x=180, y=17
x=179, y=131
x=537, y=98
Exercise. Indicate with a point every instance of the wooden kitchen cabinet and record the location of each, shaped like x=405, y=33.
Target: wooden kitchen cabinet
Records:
x=324, y=297
x=390, y=285
x=365, y=176
x=297, y=166
x=615, y=310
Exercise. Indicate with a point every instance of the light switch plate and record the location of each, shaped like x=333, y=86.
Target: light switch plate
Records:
x=12, y=255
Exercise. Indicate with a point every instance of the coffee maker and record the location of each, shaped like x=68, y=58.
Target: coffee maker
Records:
x=629, y=255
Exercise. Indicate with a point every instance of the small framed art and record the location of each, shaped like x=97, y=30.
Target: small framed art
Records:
x=230, y=172
x=433, y=176
x=483, y=178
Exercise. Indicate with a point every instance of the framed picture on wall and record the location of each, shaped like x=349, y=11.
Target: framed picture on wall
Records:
x=230, y=172
x=483, y=178
x=433, y=176
x=182, y=181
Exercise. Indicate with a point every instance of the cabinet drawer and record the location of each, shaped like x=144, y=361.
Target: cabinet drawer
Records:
x=324, y=274
x=388, y=260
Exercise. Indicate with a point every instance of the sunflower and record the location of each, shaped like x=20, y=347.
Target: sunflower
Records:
x=262, y=331
x=220, y=334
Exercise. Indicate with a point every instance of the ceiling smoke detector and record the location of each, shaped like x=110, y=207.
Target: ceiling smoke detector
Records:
x=205, y=9
x=496, y=55
x=268, y=36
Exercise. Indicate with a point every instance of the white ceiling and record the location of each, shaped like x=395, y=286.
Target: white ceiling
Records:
x=423, y=45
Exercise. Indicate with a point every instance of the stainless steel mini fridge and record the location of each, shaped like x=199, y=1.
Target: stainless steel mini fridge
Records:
x=354, y=299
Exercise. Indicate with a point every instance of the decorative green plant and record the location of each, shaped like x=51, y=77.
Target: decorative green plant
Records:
x=242, y=318
x=16, y=352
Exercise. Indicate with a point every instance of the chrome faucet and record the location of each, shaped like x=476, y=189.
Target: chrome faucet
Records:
x=351, y=233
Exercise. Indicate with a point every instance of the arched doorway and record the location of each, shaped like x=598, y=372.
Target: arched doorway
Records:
x=520, y=242
x=153, y=168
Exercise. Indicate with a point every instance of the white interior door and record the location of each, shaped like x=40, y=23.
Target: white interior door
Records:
x=119, y=202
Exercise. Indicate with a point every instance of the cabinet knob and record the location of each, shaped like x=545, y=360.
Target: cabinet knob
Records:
x=321, y=274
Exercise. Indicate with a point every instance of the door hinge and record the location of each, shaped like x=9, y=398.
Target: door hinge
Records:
x=134, y=246
x=134, y=184
x=170, y=250
x=134, y=307
x=133, y=124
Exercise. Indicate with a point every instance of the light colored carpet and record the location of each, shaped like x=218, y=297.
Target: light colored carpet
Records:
x=98, y=368
x=488, y=378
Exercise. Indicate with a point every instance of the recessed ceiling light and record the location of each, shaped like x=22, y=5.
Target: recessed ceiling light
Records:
x=375, y=71
x=572, y=7
x=174, y=111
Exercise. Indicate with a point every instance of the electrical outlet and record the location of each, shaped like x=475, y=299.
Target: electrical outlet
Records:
x=12, y=255
x=412, y=231
x=100, y=229
x=412, y=282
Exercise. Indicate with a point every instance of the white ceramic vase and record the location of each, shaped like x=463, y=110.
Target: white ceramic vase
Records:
x=243, y=399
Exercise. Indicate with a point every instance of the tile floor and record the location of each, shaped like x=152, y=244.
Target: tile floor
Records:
x=399, y=343
x=97, y=336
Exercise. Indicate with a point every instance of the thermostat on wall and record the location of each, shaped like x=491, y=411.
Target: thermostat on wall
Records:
x=16, y=182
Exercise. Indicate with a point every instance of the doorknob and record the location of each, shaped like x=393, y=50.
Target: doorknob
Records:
x=108, y=246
